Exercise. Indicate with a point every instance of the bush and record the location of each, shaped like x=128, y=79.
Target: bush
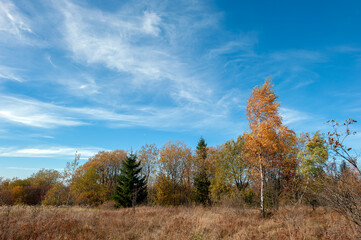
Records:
x=56, y=196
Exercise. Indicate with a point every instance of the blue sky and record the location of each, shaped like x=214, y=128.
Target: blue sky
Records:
x=101, y=75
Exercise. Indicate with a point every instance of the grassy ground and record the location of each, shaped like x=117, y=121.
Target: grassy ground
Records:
x=171, y=223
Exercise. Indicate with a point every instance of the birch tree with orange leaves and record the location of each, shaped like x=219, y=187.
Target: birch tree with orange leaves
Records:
x=264, y=122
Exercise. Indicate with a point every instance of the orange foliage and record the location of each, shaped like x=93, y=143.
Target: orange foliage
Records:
x=176, y=162
x=107, y=165
x=270, y=146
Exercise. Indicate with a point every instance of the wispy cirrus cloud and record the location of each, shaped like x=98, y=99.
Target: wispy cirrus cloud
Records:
x=144, y=65
x=48, y=152
x=145, y=48
x=149, y=65
x=290, y=116
x=147, y=52
x=142, y=45
x=294, y=66
x=34, y=113
x=346, y=49
x=31, y=169
x=241, y=46
x=80, y=84
x=12, y=21
x=7, y=73
x=19, y=28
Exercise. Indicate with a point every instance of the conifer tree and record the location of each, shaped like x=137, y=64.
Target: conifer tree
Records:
x=201, y=181
x=202, y=149
x=131, y=189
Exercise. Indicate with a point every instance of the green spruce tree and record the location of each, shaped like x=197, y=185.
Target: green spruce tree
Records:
x=201, y=180
x=131, y=189
x=202, y=183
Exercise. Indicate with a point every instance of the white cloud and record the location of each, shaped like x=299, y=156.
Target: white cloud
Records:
x=297, y=55
x=113, y=40
x=48, y=57
x=151, y=23
x=243, y=45
x=80, y=85
x=146, y=47
x=290, y=116
x=24, y=169
x=346, y=49
x=48, y=152
x=304, y=83
x=147, y=51
x=34, y=113
x=292, y=68
x=11, y=20
x=32, y=169
x=9, y=74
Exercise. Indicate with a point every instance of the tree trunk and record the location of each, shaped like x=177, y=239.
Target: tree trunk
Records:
x=262, y=191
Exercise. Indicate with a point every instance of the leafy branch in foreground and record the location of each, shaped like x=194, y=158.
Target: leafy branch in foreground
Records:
x=342, y=187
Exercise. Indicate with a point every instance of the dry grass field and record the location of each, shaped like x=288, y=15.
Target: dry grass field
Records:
x=171, y=223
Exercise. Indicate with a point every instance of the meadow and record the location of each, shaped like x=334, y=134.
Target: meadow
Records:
x=35, y=222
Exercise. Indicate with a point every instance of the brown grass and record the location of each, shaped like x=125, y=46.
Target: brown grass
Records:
x=171, y=223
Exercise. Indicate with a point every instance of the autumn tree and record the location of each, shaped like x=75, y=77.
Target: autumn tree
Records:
x=264, y=122
x=57, y=195
x=43, y=180
x=107, y=165
x=69, y=175
x=6, y=196
x=148, y=157
x=131, y=188
x=176, y=164
x=29, y=191
x=164, y=194
x=87, y=189
x=313, y=163
x=230, y=174
x=24, y=192
x=283, y=169
x=313, y=158
x=45, y=177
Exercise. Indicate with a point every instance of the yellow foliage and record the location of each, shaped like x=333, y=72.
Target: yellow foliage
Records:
x=107, y=165
x=164, y=191
x=57, y=195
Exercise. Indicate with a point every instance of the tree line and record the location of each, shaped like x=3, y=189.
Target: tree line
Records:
x=266, y=166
